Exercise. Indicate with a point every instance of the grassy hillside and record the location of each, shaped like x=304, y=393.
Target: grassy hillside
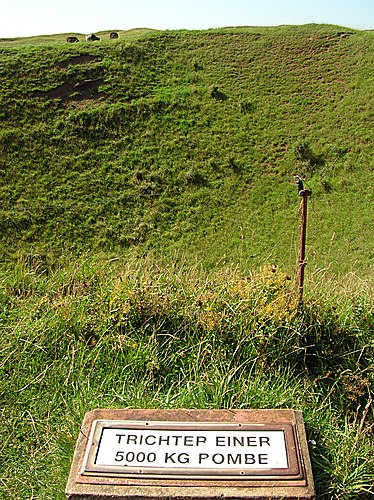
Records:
x=191, y=140
x=149, y=231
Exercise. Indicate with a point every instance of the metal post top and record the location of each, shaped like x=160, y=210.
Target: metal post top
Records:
x=305, y=192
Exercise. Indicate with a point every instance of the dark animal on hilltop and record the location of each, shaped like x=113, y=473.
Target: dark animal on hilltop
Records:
x=92, y=38
x=113, y=35
x=72, y=39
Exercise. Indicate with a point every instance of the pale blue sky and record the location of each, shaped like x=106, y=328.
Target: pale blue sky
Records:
x=37, y=17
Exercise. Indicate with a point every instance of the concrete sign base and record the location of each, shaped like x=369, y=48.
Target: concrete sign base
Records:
x=180, y=454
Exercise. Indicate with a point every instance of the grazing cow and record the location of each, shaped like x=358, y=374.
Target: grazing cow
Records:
x=92, y=38
x=72, y=39
x=113, y=35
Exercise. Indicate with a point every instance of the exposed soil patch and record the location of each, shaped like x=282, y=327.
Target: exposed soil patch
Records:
x=82, y=90
x=82, y=59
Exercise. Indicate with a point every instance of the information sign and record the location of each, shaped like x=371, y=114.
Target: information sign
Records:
x=184, y=454
x=199, y=449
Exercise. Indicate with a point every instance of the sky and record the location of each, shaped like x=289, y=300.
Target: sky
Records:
x=44, y=17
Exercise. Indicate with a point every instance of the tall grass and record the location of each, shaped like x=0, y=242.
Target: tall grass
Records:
x=81, y=334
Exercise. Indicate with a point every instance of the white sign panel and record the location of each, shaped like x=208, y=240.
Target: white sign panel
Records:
x=191, y=449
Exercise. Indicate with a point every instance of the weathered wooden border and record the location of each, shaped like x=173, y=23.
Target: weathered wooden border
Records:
x=296, y=483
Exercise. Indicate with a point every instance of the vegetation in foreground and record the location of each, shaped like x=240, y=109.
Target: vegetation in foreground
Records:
x=88, y=334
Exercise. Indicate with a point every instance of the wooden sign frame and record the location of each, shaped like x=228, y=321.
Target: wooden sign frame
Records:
x=89, y=480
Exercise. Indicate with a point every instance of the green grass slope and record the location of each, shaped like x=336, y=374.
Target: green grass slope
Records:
x=143, y=181
x=190, y=140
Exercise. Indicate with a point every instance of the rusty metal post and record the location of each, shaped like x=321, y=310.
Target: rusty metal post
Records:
x=304, y=193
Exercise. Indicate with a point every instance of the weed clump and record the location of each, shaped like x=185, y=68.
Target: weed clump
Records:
x=305, y=155
x=246, y=106
x=217, y=94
